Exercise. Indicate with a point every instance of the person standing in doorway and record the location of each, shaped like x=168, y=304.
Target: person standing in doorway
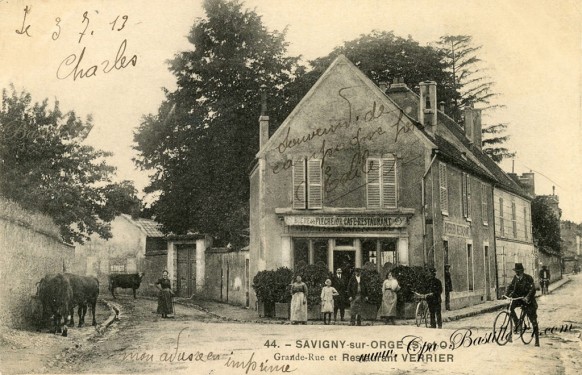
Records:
x=358, y=294
x=448, y=286
x=434, y=300
x=339, y=282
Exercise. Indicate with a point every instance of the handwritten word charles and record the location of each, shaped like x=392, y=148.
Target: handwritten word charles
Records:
x=74, y=66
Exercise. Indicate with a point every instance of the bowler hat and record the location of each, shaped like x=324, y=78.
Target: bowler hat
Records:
x=518, y=267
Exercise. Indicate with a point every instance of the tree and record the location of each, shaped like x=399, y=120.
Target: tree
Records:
x=205, y=134
x=382, y=56
x=545, y=227
x=474, y=87
x=45, y=167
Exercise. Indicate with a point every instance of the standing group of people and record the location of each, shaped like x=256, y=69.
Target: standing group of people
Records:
x=339, y=292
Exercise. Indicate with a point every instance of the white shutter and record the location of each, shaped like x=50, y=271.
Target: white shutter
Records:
x=299, y=184
x=373, y=182
x=444, y=194
x=314, y=192
x=464, y=194
x=389, y=192
x=484, y=212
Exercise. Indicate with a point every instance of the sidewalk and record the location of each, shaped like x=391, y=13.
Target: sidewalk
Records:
x=240, y=314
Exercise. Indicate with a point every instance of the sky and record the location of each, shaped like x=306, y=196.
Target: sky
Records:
x=532, y=50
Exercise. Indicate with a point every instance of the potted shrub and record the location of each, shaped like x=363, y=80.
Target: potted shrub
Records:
x=282, y=279
x=371, y=278
x=263, y=286
x=410, y=279
x=314, y=276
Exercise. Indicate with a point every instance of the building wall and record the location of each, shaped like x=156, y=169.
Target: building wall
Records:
x=514, y=243
x=473, y=282
x=28, y=254
x=226, y=277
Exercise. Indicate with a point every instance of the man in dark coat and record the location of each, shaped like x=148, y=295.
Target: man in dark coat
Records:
x=448, y=286
x=434, y=300
x=358, y=293
x=339, y=282
x=544, y=277
x=523, y=285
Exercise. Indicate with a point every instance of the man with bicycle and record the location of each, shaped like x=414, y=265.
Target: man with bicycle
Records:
x=544, y=279
x=523, y=285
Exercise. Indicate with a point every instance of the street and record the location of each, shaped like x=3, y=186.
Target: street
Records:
x=196, y=342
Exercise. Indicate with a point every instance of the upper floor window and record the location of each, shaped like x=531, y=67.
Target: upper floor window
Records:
x=484, y=213
x=466, y=196
x=514, y=219
x=307, y=184
x=381, y=182
x=525, y=222
x=501, y=218
x=444, y=191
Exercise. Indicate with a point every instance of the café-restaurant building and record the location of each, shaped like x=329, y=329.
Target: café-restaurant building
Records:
x=359, y=173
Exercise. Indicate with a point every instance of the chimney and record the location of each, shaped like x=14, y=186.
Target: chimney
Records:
x=427, y=110
x=263, y=119
x=442, y=106
x=383, y=86
x=527, y=180
x=473, y=126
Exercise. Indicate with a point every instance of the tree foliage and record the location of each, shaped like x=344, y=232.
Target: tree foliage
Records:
x=382, y=56
x=545, y=227
x=205, y=134
x=473, y=87
x=45, y=167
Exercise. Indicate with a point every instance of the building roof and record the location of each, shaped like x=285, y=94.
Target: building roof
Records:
x=150, y=227
x=480, y=163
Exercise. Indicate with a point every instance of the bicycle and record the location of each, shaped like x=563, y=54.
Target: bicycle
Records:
x=503, y=325
x=544, y=286
x=421, y=309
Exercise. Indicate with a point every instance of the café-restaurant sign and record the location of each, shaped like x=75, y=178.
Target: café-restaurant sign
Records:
x=351, y=221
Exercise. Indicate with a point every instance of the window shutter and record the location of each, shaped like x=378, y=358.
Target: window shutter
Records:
x=464, y=194
x=299, y=184
x=373, y=183
x=444, y=195
x=314, y=192
x=468, y=193
x=484, y=203
x=389, y=192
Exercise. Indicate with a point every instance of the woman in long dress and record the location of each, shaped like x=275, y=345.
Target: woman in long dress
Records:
x=165, y=295
x=298, y=302
x=327, y=294
x=389, y=298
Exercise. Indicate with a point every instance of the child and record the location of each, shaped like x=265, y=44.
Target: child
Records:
x=327, y=293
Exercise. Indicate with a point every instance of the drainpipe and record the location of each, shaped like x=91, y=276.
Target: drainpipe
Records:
x=423, y=211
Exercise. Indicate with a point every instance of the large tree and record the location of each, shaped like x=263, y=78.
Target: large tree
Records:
x=383, y=56
x=205, y=134
x=474, y=87
x=45, y=167
x=545, y=227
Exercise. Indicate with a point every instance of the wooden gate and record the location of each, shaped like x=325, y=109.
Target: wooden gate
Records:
x=186, y=275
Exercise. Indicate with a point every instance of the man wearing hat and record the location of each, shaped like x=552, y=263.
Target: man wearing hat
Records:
x=358, y=294
x=523, y=285
x=434, y=300
x=339, y=282
x=448, y=286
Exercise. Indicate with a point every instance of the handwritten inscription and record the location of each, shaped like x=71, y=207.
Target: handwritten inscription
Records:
x=74, y=66
x=23, y=29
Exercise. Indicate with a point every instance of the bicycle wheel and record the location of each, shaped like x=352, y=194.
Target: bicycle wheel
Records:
x=419, y=313
x=425, y=316
x=526, y=329
x=502, y=328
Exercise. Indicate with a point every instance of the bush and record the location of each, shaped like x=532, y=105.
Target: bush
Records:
x=411, y=279
x=273, y=285
x=371, y=278
x=283, y=277
x=314, y=276
x=263, y=286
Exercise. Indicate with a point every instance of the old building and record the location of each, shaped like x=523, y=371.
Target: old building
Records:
x=359, y=174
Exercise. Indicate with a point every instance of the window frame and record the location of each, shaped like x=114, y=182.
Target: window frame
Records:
x=381, y=182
